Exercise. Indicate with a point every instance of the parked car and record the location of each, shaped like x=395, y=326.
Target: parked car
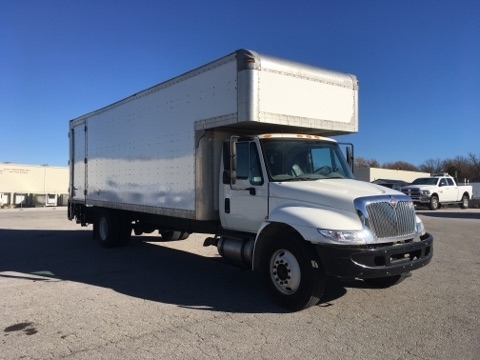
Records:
x=392, y=184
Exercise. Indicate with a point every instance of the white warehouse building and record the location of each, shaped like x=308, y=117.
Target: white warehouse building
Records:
x=371, y=174
x=33, y=185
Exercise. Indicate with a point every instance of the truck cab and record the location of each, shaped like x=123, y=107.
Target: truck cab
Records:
x=263, y=163
x=303, y=216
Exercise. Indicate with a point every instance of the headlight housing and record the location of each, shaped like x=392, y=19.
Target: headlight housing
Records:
x=363, y=236
x=420, y=228
x=425, y=192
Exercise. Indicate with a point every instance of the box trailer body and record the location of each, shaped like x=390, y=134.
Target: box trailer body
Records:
x=157, y=151
x=200, y=153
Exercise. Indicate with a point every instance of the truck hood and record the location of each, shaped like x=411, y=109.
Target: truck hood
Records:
x=331, y=193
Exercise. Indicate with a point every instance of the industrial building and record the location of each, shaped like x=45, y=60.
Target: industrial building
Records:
x=372, y=174
x=33, y=185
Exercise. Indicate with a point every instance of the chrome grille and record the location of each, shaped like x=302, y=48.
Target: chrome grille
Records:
x=413, y=193
x=387, y=220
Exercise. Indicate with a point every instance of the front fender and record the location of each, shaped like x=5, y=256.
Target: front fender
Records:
x=305, y=221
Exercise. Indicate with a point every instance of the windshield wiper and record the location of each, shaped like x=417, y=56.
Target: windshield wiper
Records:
x=307, y=178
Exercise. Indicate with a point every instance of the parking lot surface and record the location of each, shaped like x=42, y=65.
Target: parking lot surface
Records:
x=62, y=296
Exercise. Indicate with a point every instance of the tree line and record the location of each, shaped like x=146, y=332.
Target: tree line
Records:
x=461, y=167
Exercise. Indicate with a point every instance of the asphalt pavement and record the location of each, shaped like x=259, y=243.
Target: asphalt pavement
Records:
x=62, y=296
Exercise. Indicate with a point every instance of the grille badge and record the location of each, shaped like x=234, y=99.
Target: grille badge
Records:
x=393, y=202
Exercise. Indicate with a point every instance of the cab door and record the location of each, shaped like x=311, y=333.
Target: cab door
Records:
x=244, y=204
x=450, y=190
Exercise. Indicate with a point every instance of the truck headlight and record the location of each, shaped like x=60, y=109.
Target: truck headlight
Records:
x=425, y=192
x=363, y=236
x=419, y=226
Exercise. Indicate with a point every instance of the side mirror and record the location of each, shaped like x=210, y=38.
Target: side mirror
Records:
x=230, y=161
x=350, y=158
x=233, y=159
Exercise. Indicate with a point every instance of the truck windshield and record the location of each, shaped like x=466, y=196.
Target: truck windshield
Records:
x=425, y=181
x=302, y=159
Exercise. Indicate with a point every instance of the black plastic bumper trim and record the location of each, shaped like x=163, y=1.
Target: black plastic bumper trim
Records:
x=378, y=261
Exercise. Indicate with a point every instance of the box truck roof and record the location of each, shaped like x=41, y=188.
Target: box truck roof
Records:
x=296, y=136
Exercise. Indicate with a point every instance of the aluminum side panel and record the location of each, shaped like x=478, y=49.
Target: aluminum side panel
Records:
x=141, y=152
x=130, y=165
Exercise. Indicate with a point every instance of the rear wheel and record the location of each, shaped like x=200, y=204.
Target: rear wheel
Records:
x=184, y=236
x=294, y=275
x=171, y=235
x=464, y=203
x=111, y=229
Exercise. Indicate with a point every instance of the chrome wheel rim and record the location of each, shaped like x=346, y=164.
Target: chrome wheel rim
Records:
x=285, y=272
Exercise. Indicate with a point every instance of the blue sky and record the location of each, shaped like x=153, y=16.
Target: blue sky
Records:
x=418, y=63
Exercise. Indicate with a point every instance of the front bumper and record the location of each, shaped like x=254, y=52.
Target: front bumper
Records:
x=424, y=199
x=379, y=261
x=417, y=196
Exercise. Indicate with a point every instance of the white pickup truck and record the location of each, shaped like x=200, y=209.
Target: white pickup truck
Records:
x=437, y=190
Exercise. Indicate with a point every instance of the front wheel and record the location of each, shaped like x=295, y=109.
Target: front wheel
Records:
x=294, y=275
x=434, y=204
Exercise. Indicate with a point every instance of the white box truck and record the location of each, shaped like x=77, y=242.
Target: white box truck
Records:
x=238, y=148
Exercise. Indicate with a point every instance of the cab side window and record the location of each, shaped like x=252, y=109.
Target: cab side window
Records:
x=248, y=163
x=242, y=161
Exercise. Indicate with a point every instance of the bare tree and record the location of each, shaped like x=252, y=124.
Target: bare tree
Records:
x=400, y=165
x=361, y=162
x=475, y=164
x=432, y=166
x=459, y=168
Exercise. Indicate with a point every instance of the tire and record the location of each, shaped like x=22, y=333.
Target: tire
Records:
x=464, y=203
x=184, y=235
x=434, y=204
x=111, y=229
x=385, y=282
x=171, y=235
x=125, y=231
x=294, y=276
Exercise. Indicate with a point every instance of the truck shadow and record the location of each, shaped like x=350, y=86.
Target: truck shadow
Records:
x=141, y=269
